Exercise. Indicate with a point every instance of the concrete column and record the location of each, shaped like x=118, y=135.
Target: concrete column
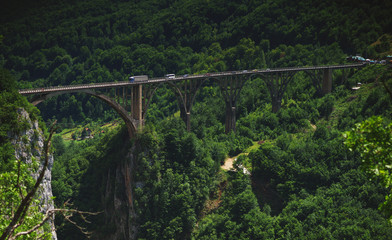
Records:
x=124, y=103
x=188, y=121
x=185, y=116
x=327, y=81
x=276, y=104
x=186, y=92
x=230, y=117
x=136, y=105
x=231, y=88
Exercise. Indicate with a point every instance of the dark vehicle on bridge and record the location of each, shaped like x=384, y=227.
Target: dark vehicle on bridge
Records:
x=138, y=78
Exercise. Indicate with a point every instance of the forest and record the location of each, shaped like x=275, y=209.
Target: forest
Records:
x=308, y=176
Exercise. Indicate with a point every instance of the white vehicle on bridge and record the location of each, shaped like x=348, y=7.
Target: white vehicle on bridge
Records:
x=170, y=76
x=138, y=78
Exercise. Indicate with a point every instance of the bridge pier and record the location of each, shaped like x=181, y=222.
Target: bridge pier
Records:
x=277, y=85
x=186, y=92
x=136, y=105
x=276, y=104
x=322, y=80
x=139, y=97
x=230, y=117
x=231, y=87
x=187, y=121
x=327, y=81
x=136, y=100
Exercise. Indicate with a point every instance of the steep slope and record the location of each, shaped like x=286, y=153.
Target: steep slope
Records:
x=21, y=161
x=28, y=146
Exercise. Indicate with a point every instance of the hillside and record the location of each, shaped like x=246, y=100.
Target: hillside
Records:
x=56, y=43
x=303, y=177
x=167, y=184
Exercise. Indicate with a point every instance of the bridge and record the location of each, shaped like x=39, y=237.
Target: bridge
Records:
x=131, y=99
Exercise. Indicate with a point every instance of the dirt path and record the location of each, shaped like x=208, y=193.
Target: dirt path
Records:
x=228, y=163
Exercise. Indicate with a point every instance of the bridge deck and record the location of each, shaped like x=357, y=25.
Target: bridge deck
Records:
x=47, y=90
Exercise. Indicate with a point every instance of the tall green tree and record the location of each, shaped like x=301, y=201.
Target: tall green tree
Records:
x=373, y=140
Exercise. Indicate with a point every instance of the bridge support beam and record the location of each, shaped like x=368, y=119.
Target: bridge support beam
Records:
x=230, y=117
x=136, y=105
x=186, y=91
x=231, y=87
x=277, y=84
x=327, y=81
x=322, y=80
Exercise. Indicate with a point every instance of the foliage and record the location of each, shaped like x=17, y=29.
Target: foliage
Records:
x=331, y=213
x=16, y=180
x=175, y=186
x=104, y=44
x=239, y=217
x=372, y=139
x=15, y=183
x=304, y=183
x=11, y=101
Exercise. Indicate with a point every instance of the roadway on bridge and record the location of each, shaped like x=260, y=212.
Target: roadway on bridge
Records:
x=53, y=89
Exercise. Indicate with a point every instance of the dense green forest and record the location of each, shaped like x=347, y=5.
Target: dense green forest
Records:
x=304, y=183
x=50, y=43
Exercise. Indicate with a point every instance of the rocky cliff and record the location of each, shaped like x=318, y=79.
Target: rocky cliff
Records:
x=28, y=146
x=117, y=200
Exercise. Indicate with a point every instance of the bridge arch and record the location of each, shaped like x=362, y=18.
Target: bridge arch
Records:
x=230, y=83
x=131, y=124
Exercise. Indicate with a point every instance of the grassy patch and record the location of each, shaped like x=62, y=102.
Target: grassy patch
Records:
x=79, y=133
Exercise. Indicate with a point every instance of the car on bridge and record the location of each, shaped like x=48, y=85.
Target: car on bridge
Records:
x=170, y=76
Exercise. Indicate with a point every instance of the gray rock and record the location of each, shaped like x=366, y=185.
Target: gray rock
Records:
x=28, y=146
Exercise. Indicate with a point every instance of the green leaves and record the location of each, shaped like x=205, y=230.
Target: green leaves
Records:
x=15, y=182
x=373, y=140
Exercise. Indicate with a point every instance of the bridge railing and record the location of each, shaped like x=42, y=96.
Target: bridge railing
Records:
x=179, y=78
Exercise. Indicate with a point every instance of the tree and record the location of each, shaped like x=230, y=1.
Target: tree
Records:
x=21, y=217
x=17, y=192
x=373, y=140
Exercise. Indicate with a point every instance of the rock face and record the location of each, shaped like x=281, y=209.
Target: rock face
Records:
x=118, y=202
x=29, y=145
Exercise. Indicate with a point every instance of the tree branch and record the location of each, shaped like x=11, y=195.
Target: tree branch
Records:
x=25, y=204
x=49, y=213
x=17, y=181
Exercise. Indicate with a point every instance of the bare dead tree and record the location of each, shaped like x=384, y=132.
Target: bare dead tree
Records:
x=67, y=213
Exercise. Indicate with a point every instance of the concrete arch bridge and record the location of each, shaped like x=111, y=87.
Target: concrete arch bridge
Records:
x=131, y=99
